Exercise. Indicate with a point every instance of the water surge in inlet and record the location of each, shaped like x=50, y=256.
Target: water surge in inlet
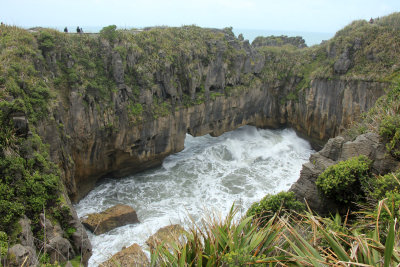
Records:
x=211, y=173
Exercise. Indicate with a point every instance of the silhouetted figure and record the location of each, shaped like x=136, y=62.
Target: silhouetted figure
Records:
x=66, y=30
x=371, y=20
x=78, y=30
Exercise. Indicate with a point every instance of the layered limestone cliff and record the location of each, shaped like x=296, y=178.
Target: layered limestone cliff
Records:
x=120, y=102
x=210, y=93
x=123, y=148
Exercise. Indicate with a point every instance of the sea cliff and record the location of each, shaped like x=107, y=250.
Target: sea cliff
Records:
x=121, y=101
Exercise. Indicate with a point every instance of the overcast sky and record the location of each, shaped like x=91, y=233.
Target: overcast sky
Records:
x=289, y=15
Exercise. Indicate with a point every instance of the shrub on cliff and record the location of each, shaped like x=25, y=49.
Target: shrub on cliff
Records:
x=344, y=180
x=28, y=184
x=272, y=204
x=389, y=129
x=46, y=41
x=110, y=33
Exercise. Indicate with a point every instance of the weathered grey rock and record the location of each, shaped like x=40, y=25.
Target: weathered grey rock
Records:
x=332, y=148
x=118, y=68
x=114, y=217
x=59, y=248
x=336, y=150
x=26, y=235
x=22, y=256
x=80, y=238
x=342, y=65
x=130, y=256
x=165, y=235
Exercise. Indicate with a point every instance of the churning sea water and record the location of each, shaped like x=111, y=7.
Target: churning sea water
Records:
x=211, y=173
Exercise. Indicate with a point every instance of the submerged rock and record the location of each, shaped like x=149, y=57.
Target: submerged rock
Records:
x=165, y=235
x=116, y=216
x=130, y=256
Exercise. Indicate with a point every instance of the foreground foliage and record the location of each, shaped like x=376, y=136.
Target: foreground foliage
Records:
x=304, y=240
x=275, y=204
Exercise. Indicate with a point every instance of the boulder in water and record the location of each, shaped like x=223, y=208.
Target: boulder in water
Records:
x=116, y=216
x=130, y=256
x=165, y=235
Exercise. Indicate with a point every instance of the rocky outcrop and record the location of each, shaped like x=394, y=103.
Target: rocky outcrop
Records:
x=20, y=255
x=130, y=256
x=282, y=40
x=165, y=235
x=116, y=216
x=330, y=106
x=23, y=253
x=58, y=247
x=339, y=149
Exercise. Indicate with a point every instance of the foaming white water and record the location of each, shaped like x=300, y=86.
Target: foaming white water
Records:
x=211, y=173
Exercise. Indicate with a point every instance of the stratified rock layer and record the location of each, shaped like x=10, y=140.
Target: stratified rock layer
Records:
x=327, y=107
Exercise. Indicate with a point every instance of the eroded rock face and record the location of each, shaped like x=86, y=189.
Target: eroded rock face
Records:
x=59, y=248
x=93, y=150
x=25, y=251
x=130, y=256
x=114, y=217
x=91, y=139
x=338, y=149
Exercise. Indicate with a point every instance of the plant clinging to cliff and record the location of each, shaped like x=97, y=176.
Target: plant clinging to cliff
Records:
x=343, y=181
x=272, y=204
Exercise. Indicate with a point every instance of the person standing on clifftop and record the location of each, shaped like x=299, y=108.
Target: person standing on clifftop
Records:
x=66, y=30
x=78, y=30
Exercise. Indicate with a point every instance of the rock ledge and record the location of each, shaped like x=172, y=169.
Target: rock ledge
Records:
x=116, y=216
